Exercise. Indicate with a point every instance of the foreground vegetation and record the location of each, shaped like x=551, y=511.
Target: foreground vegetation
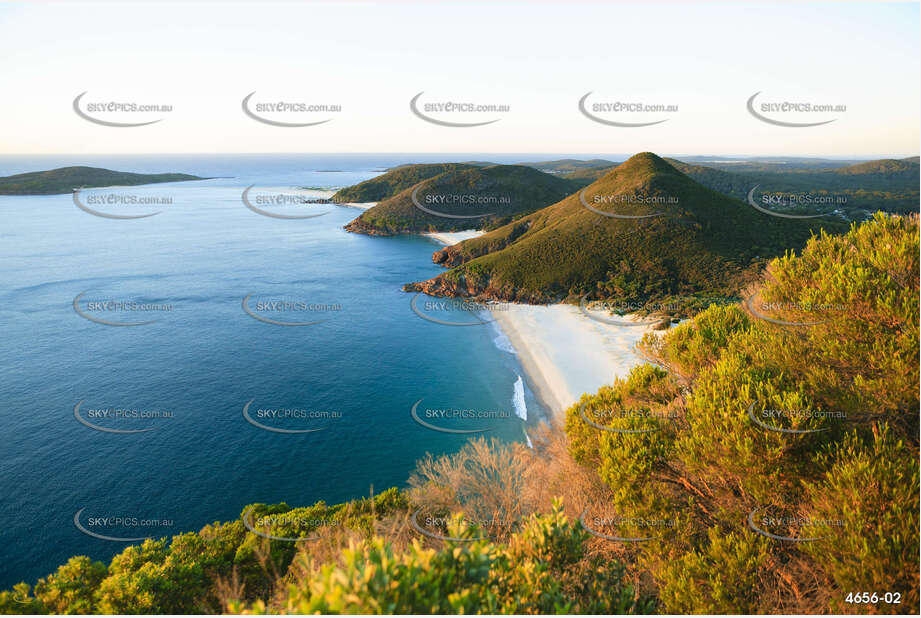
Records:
x=849, y=478
x=678, y=462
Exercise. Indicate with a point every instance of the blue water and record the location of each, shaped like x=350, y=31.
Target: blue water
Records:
x=369, y=361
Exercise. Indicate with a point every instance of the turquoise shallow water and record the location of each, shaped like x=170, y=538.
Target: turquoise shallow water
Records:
x=193, y=369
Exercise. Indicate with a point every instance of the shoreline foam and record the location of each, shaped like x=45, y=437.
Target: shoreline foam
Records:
x=565, y=354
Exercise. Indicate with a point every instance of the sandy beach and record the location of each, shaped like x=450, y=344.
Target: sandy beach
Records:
x=452, y=238
x=565, y=353
x=325, y=194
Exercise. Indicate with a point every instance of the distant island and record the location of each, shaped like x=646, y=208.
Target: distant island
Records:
x=66, y=179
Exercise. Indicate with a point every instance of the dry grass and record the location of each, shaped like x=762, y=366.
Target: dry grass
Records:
x=484, y=481
x=491, y=479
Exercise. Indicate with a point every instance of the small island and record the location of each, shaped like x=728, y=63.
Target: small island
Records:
x=66, y=179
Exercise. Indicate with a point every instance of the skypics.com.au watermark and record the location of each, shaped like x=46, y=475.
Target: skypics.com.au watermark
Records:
x=591, y=310
x=605, y=205
x=288, y=420
x=634, y=199
x=591, y=417
x=119, y=113
x=790, y=113
x=107, y=205
x=109, y=527
x=428, y=309
x=463, y=304
x=114, y=308
x=119, y=420
x=625, y=113
x=287, y=199
x=438, y=204
x=791, y=527
x=608, y=414
x=767, y=418
x=125, y=199
x=274, y=204
x=645, y=313
x=289, y=113
x=272, y=526
x=763, y=311
x=280, y=309
x=617, y=528
x=784, y=204
x=440, y=419
x=437, y=526
x=457, y=113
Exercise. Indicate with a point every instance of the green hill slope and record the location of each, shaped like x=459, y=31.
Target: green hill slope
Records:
x=858, y=190
x=588, y=175
x=580, y=172
x=692, y=241
x=887, y=167
x=394, y=181
x=563, y=166
x=66, y=179
x=733, y=184
x=461, y=199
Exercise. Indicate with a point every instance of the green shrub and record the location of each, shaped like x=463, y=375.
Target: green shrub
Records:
x=532, y=574
x=818, y=421
x=722, y=577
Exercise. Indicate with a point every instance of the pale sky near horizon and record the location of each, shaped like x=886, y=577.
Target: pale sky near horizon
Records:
x=538, y=58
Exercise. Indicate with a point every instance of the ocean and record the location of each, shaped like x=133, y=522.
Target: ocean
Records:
x=204, y=403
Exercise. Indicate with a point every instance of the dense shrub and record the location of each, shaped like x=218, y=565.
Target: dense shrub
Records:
x=531, y=574
x=810, y=420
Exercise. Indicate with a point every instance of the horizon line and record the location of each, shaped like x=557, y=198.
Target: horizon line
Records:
x=459, y=153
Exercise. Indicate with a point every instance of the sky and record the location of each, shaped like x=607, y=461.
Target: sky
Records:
x=538, y=59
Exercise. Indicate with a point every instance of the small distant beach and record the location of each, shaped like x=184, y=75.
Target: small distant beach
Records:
x=361, y=205
x=452, y=238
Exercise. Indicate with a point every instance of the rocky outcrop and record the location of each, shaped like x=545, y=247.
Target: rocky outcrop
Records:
x=359, y=226
x=458, y=286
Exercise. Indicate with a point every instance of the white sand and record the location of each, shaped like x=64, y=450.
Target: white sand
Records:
x=452, y=238
x=362, y=205
x=320, y=193
x=563, y=352
x=566, y=353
